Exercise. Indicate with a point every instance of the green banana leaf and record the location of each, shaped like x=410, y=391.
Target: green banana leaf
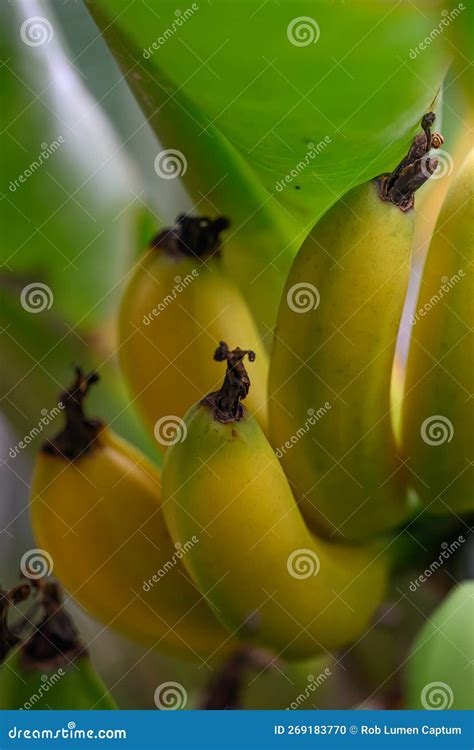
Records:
x=440, y=669
x=274, y=110
x=65, y=208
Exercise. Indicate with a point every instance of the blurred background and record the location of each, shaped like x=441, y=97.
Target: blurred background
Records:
x=80, y=199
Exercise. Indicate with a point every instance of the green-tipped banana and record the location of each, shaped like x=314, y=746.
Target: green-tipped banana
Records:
x=177, y=304
x=329, y=388
x=268, y=578
x=438, y=410
x=52, y=669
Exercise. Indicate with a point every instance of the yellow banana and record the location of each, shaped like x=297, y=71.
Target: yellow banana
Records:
x=329, y=384
x=176, y=305
x=438, y=410
x=266, y=575
x=96, y=510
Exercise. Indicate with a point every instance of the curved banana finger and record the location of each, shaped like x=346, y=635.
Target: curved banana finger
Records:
x=96, y=509
x=176, y=305
x=266, y=575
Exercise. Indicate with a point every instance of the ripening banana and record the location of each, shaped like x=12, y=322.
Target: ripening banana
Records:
x=329, y=383
x=265, y=574
x=176, y=305
x=52, y=669
x=438, y=410
x=96, y=510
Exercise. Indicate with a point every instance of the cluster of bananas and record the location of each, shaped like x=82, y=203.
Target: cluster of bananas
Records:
x=268, y=524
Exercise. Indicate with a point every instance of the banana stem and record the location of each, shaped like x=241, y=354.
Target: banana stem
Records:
x=80, y=433
x=225, y=402
x=8, y=637
x=55, y=642
x=193, y=236
x=398, y=187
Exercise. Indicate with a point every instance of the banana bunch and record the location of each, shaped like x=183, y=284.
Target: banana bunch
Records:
x=177, y=304
x=329, y=385
x=438, y=410
x=51, y=669
x=96, y=509
x=267, y=577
